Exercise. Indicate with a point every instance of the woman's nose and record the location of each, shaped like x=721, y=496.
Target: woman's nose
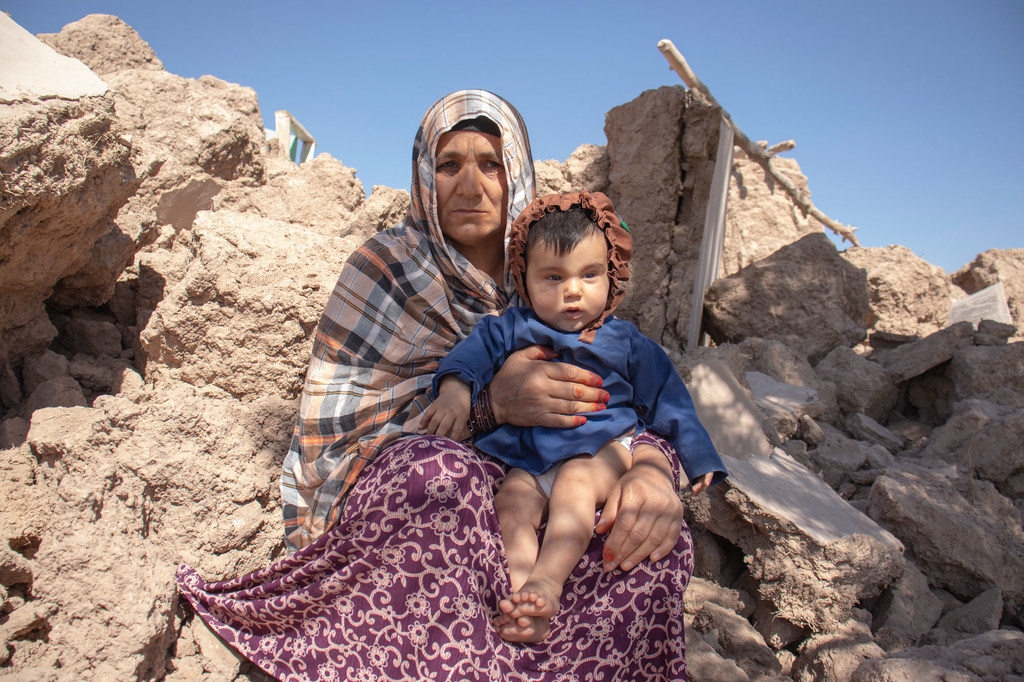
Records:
x=470, y=180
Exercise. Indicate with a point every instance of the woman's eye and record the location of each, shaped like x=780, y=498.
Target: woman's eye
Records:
x=553, y=278
x=448, y=166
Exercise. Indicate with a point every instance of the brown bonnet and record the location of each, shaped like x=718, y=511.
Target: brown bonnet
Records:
x=599, y=208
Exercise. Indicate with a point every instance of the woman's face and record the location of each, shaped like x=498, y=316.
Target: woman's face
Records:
x=472, y=192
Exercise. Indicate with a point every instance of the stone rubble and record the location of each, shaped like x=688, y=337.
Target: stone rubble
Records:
x=871, y=414
x=805, y=295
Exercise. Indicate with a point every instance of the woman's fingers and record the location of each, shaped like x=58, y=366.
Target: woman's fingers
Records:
x=609, y=511
x=529, y=390
x=572, y=374
x=637, y=535
x=656, y=543
x=554, y=420
x=626, y=535
x=534, y=353
x=575, y=389
x=623, y=524
x=669, y=538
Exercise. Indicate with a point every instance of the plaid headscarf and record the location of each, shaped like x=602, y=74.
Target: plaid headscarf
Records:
x=403, y=300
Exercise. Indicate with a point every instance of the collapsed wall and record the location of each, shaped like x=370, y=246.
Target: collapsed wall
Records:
x=661, y=149
x=66, y=172
x=146, y=409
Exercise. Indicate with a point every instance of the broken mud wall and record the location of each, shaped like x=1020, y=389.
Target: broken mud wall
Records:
x=661, y=158
x=872, y=526
x=661, y=155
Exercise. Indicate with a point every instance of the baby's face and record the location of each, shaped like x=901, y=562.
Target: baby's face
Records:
x=570, y=291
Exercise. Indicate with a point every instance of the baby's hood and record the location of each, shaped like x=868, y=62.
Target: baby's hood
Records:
x=599, y=208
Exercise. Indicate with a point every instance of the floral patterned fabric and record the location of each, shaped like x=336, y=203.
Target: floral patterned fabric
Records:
x=406, y=589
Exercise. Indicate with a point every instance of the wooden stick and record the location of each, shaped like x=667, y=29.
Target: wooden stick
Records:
x=758, y=155
x=778, y=148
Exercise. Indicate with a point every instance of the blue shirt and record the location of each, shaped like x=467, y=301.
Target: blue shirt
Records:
x=646, y=392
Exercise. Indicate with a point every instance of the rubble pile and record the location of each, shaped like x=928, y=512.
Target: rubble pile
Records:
x=162, y=270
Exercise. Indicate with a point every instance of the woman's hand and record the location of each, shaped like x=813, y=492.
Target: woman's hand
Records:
x=643, y=512
x=529, y=390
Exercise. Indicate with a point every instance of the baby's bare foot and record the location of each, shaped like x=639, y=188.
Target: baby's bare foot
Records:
x=502, y=621
x=522, y=629
x=526, y=615
x=538, y=598
x=519, y=628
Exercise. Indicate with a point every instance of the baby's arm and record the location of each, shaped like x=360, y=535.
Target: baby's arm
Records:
x=666, y=409
x=447, y=416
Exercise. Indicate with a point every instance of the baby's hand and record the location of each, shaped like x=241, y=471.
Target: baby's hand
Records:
x=447, y=416
x=702, y=484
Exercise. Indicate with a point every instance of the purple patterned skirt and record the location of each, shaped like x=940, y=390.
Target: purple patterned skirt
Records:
x=405, y=589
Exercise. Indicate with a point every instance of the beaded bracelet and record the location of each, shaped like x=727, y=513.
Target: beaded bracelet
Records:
x=481, y=414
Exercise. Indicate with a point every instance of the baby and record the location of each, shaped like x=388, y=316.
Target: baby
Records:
x=568, y=255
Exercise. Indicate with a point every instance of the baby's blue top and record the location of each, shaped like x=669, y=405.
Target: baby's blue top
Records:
x=646, y=392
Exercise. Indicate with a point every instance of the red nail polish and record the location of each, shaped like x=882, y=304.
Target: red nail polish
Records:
x=608, y=555
x=600, y=406
x=580, y=420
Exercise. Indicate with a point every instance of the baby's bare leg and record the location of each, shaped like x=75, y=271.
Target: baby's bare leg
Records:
x=582, y=484
x=520, y=506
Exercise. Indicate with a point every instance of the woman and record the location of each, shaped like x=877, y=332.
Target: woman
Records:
x=400, y=564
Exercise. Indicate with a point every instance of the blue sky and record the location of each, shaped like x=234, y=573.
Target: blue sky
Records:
x=906, y=113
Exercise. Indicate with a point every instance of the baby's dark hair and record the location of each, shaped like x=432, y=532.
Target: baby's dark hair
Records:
x=563, y=230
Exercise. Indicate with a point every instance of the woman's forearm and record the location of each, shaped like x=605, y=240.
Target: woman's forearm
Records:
x=646, y=455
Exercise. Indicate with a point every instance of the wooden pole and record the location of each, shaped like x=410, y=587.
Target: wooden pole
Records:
x=714, y=234
x=758, y=155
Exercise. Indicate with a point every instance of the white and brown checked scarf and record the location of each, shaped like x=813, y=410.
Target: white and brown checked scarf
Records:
x=403, y=300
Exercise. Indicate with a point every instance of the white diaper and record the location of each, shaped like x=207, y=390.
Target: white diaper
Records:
x=547, y=479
